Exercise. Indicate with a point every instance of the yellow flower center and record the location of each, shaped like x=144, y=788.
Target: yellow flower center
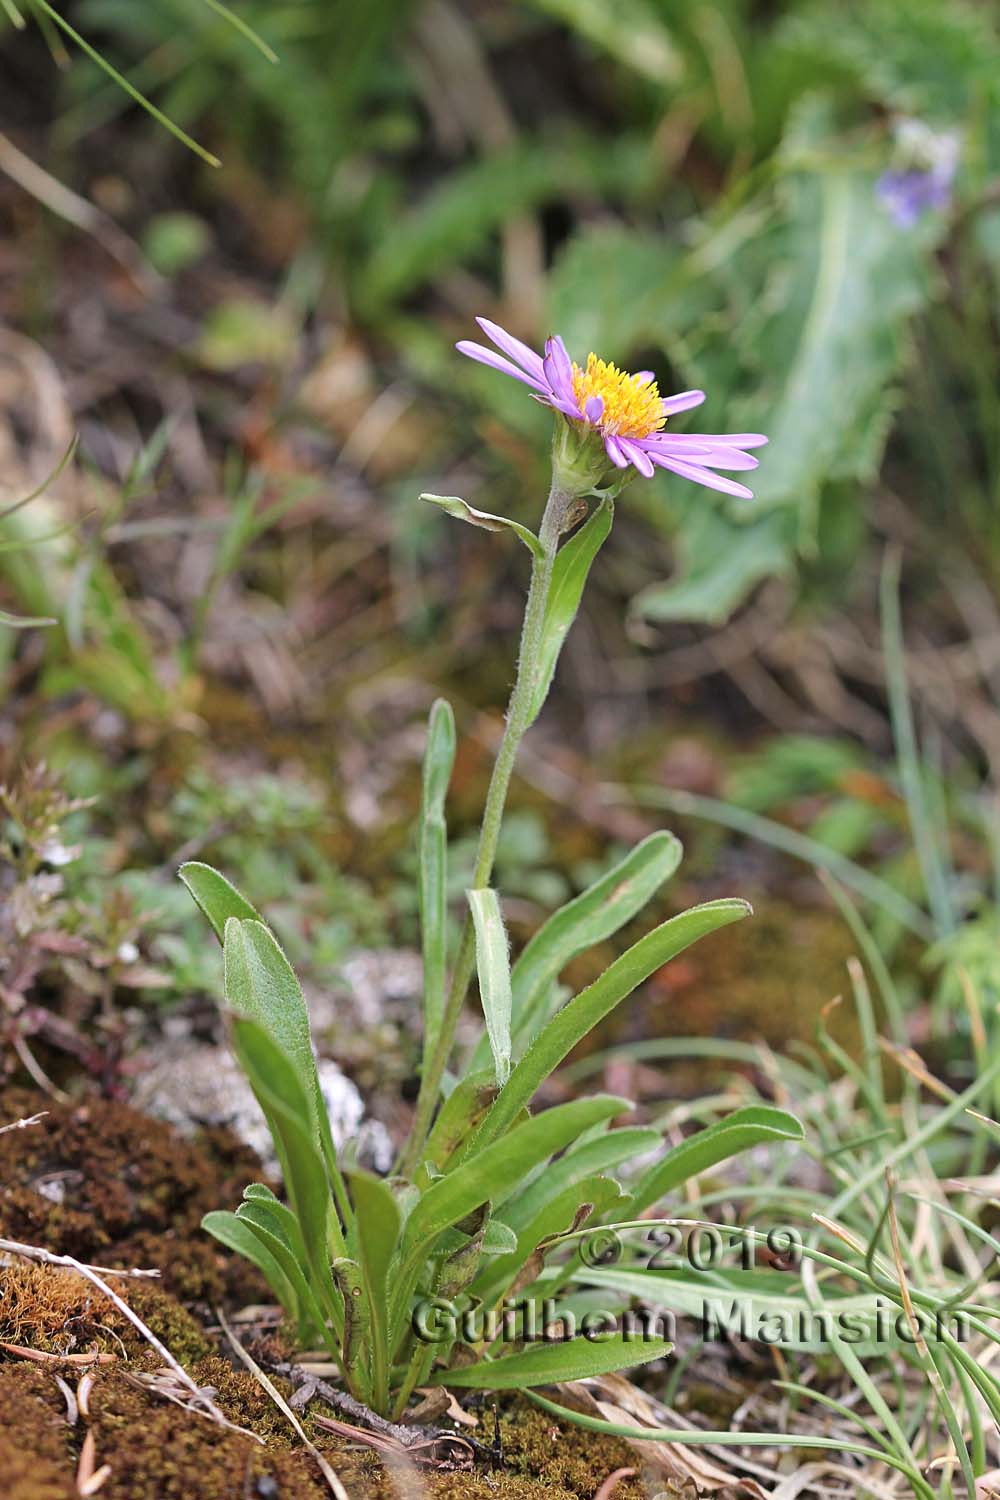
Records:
x=633, y=407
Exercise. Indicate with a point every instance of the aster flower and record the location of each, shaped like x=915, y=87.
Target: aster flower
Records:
x=626, y=412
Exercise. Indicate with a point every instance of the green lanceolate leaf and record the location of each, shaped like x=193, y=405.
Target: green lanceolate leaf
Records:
x=583, y=1013
x=489, y=1177
x=378, y=1222
x=580, y=1358
x=569, y=575
x=284, y=1101
x=755, y=1125
x=277, y=1228
x=216, y=897
x=261, y=984
x=236, y=1235
x=460, y=1115
x=599, y=1155
x=463, y=511
x=439, y=759
x=590, y=918
x=493, y=966
x=565, y=1210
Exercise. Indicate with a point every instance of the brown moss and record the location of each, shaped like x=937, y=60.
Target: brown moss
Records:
x=59, y=1312
x=159, y=1451
x=36, y=1458
x=122, y=1189
x=767, y=978
x=561, y=1456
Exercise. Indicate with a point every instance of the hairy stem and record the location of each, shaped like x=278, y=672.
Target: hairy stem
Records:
x=519, y=718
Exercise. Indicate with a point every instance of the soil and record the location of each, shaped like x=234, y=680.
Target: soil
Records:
x=99, y=1181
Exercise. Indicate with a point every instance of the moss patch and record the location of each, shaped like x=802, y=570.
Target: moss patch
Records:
x=99, y=1181
x=59, y=1312
x=158, y=1451
x=36, y=1451
x=767, y=978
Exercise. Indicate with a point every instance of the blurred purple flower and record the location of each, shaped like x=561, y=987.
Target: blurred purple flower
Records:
x=924, y=174
x=627, y=411
x=908, y=195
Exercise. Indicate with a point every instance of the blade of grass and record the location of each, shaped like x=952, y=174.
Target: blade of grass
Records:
x=122, y=81
x=798, y=845
x=907, y=752
x=244, y=29
x=701, y=1438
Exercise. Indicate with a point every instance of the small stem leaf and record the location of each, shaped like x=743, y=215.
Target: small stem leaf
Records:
x=439, y=758
x=567, y=1207
x=493, y=965
x=460, y=1116
x=491, y=1175
x=215, y=896
x=378, y=1225
x=599, y=1155
x=599, y=1352
x=569, y=575
x=755, y=1125
x=577, y=1019
x=463, y=511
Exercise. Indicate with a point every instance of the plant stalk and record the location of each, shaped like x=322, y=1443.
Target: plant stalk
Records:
x=519, y=719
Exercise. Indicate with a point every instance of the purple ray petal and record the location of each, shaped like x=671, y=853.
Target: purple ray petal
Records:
x=496, y=362
x=594, y=408
x=613, y=449
x=702, y=476
x=635, y=454
x=644, y=376
x=707, y=440
x=559, y=368
x=724, y=458
x=518, y=352
x=683, y=401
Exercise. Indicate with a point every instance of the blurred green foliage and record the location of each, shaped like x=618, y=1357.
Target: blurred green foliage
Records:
x=705, y=172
